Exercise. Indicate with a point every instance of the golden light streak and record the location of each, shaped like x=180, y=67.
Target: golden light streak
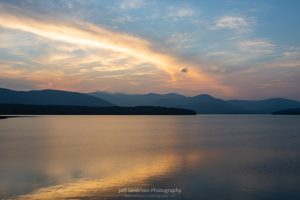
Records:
x=83, y=34
x=137, y=174
x=89, y=35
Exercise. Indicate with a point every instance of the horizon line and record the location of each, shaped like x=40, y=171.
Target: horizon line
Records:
x=124, y=93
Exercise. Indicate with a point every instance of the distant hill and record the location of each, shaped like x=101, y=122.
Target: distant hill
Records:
x=267, y=106
x=203, y=103
x=50, y=97
x=134, y=99
x=21, y=109
x=293, y=111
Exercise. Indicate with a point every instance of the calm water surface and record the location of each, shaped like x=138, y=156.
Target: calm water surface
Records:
x=100, y=157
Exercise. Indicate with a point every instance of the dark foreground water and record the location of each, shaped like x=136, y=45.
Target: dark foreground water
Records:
x=139, y=157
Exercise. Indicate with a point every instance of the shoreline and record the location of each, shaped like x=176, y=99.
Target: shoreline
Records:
x=24, y=109
x=5, y=117
x=9, y=116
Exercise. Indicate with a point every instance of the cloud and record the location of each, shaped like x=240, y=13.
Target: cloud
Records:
x=38, y=79
x=174, y=13
x=131, y=4
x=97, y=40
x=284, y=63
x=124, y=19
x=290, y=58
x=258, y=46
x=84, y=34
x=240, y=53
x=180, y=41
x=240, y=47
x=264, y=82
x=181, y=12
x=231, y=22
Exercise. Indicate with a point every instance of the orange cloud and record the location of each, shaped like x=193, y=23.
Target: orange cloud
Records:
x=91, y=36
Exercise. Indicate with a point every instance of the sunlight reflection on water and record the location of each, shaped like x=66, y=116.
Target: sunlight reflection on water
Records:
x=63, y=157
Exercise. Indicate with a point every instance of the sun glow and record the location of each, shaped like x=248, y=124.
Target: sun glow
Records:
x=86, y=35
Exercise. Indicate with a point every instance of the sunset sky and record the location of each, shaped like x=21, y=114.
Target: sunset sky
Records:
x=246, y=49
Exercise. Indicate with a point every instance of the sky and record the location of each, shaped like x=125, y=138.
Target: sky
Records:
x=246, y=49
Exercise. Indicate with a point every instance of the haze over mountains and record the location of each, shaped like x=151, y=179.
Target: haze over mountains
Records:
x=202, y=104
x=50, y=97
x=266, y=106
x=56, y=102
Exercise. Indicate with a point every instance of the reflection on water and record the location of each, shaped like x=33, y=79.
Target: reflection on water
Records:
x=207, y=157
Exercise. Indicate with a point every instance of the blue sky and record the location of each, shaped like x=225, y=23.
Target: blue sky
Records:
x=232, y=48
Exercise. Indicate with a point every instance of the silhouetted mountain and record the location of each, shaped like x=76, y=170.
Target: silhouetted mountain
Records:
x=50, y=97
x=202, y=104
x=133, y=99
x=267, y=106
x=19, y=109
x=293, y=111
x=206, y=104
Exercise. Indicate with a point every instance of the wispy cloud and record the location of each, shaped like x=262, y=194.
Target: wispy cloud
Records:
x=290, y=58
x=175, y=13
x=83, y=34
x=257, y=46
x=88, y=36
x=241, y=53
x=181, y=12
x=125, y=19
x=131, y=4
x=232, y=22
x=180, y=41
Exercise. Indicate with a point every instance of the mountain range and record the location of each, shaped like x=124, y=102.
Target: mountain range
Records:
x=50, y=97
x=202, y=104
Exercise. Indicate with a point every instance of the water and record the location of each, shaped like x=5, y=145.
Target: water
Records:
x=100, y=157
